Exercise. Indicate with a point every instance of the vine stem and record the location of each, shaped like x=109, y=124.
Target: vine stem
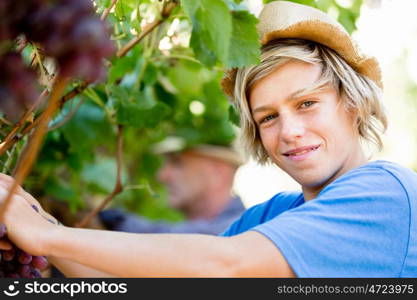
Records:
x=31, y=150
x=118, y=187
x=26, y=116
x=74, y=92
x=12, y=138
x=107, y=10
x=132, y=43
x=166, y=11
x=67, y=117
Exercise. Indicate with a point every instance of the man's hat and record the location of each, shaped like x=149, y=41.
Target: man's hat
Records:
x=283, y=19
x=175, y=144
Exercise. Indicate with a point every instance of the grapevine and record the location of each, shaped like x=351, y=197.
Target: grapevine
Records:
x=72, y=34
x=77, y=40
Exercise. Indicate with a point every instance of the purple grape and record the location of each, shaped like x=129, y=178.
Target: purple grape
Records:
x=70, y=31
x=88, y=33
x=8, y=255
x=12, y=14
x=35, y=25
x=24, y=258
x=39, y=262
x=24, y=271
x=9, y=267
x=82, y=7
x=16, y=263
x=18, y=88
x=13, y=275
x=35, y=274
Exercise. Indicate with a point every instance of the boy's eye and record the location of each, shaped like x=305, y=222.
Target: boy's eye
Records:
x=267, y=118
x=307, y=104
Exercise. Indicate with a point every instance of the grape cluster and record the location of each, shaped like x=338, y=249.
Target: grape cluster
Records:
x=67, y=30
x=12, y=14
x=71, y=32
x=18, y=88
x=15, y=263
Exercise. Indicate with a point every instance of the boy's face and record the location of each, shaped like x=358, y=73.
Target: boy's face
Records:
x=306, y=132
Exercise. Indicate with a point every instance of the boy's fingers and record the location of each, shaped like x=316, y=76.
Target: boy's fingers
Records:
x=5, y=186
x=6, y=182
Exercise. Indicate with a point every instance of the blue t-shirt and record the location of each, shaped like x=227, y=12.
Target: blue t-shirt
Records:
x=363, y=224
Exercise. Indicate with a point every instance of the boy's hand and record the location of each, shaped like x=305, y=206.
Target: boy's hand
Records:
x=28, y=225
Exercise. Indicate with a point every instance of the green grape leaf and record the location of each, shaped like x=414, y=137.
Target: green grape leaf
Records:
x=151, y=74
x=190, y=7
x=132, y=115
x=63, y=191
x=348, y=19
x=203, y=54
x=87, y=128
x=140, y=111
x=244, y=45
x=187, y=78
x=101, y=175
x=120, y=67
x=212, y=29
x=324, y=5
x=124, y=9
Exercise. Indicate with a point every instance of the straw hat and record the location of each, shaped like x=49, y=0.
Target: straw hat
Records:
x=175, y=144
x=283, y=19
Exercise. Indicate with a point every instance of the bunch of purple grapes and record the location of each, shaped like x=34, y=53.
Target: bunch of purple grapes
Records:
x=12, y=14
x=15, y=263
x=67, y=30
x=18, y=88
x=71, y=32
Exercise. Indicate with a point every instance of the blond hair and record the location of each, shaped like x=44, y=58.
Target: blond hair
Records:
x=358, y=93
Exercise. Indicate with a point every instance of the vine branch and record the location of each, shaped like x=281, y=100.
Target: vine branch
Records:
x=67, y=117
x=166, y=11
x=26, y=116
x=74, y=92
x=132, y=43
x=31, y=150
x=12, y=138
x=107, y=10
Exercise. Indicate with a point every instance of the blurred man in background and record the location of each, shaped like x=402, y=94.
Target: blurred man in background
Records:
x=199, y=181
